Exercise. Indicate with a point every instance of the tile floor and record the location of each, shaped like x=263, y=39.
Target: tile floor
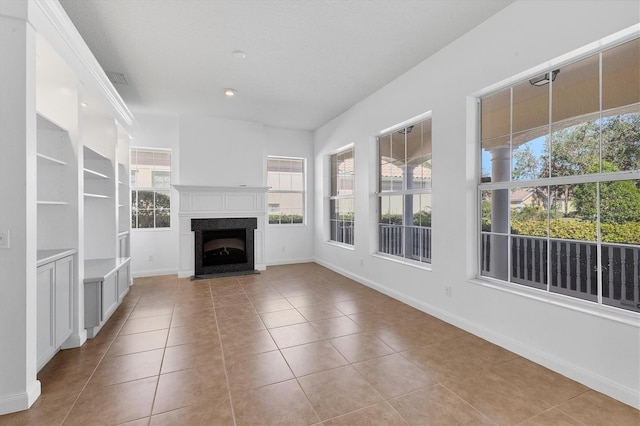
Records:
x=298, y=345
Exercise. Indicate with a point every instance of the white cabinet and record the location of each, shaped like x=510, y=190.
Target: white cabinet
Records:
x=105, y=285
x=55, y=302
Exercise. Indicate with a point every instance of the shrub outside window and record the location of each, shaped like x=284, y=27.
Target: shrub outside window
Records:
x=404, y=197
x=342, y=197
x=560, y=191
x=286, y=197
x=150, y=188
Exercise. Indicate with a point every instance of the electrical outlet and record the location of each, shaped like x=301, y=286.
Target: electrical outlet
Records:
x=150, y=259
x=4, y=238
x=361, y=262
x=447, y=290
x=284, y=249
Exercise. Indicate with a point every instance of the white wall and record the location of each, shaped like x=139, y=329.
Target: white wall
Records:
x=599, y=347
x=18, y=303
x=291, y=243
x=155, y=251
x=212, y=151
x=221, y=152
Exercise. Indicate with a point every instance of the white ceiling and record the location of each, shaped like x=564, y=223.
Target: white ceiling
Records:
x=307, y=61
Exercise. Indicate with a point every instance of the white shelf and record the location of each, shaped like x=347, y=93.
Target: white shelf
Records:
x=51, y=203
x=51, y=159
x=90, y=195
x=92, y=174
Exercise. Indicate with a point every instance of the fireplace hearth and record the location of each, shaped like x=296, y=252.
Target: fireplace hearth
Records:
x=223, y=246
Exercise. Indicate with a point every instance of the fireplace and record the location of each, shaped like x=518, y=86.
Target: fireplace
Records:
x=223, y=246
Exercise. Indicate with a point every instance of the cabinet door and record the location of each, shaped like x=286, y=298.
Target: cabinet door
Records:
x=123, y=281
x=44, y=316
x=109, y=296
x=92, y=304
x=64, y=299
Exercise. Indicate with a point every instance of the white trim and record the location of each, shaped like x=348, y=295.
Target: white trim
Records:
x=154, y=273
x=403, y=261
x=220, y=189
x=561, y=180
x=599, y=383
x=21, y=401
x=341, y=245
x=76, y=340
x=290, y=261
x=575, y=55
x=346, y=147
x=610, y=313
x=63, y=31
x=406, y=123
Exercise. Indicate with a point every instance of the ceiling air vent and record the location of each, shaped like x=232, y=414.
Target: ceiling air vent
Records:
x=117, y=77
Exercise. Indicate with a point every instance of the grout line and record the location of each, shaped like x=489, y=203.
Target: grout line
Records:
x=224, y=362
x=164, y=352
x=75, y=401
x=467, y=402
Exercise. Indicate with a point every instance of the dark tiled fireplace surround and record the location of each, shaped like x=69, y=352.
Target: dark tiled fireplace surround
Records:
x=224, y=246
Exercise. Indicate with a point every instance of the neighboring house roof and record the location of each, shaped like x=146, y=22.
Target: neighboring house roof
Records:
x=389, y=170
x=521, y=195
x=392, y=171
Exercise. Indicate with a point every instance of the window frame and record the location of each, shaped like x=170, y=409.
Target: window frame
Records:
x=278, y=191
x=335, y=198
x=597, y=48
x=154, y=189
x=404, y=192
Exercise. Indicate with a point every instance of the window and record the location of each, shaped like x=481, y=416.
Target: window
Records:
x=342, y=199
x=404, y=196
x=560, y=191
x=150, y=188
x=286, y=196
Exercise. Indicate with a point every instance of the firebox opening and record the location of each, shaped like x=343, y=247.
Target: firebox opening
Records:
x=224, y=247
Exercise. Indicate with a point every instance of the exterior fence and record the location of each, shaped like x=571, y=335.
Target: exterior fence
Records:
x=342, y=231
x=416, y=245
x=572, y=267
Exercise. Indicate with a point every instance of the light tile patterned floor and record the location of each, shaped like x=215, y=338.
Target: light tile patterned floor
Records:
x=298, y=345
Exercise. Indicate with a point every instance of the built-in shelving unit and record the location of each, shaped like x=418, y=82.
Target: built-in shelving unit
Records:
x=61, y=143
x=54, y=171
x=98, y=175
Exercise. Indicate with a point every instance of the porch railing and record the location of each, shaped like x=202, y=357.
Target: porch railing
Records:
x=412, y=242
x=572, y=267
x=342, y=231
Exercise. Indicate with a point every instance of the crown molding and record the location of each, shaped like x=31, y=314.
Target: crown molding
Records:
x=49, y=19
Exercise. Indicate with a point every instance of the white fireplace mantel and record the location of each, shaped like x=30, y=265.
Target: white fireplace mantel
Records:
x=199, y=202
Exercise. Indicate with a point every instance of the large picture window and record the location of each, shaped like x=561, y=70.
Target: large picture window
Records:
x=286, y=196
x=560, y=191
x=150, y=188
x=342, y=197
x=404, y=196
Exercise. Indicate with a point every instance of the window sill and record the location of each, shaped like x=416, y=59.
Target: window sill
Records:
x=286, y=225
x=341, y=245
x=151, y=229
x=404, y=261
x=591, y=308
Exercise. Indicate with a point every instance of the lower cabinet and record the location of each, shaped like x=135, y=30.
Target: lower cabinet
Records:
x=55, y=307
x=105, y=285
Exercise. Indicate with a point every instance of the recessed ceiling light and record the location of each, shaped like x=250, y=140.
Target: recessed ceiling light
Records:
x=84, y=104
x=239, y=54
x=229, y=92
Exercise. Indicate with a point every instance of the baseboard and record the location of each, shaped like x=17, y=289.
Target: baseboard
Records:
x=22, y=401
x=290, y=261
x=75, y=340
x=153, y=273
x=567, y=369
